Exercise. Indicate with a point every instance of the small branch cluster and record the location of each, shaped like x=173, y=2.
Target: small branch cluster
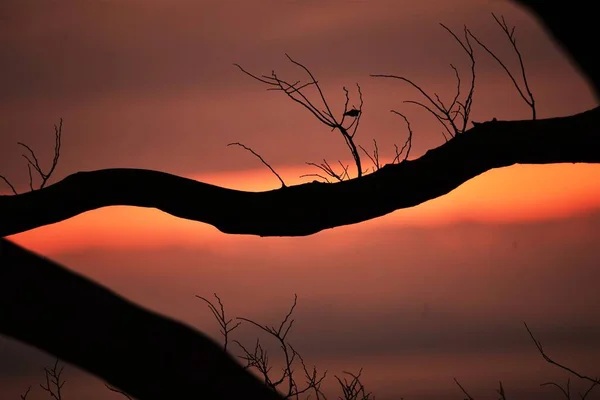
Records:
x=328, y=171
x=500, y=391
x=258, y=359
x=407, y=145
x=324, y=114
x=286, y=383
x=54, y=383
x=353, y=389
x=454, y=116
x=566, y=391
x=33, y=162
x=219, y=314
x=374, y=158
x=525, y=93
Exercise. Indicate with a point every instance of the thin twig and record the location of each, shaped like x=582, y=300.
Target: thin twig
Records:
x=407, y=144
x=316, y=176
x=112, y=389
x=24, y=395
x=525, y=94
x=446, y=114
x=463, y=390
x=54, y=384
x=323, y=113
x=9, y=184
x=538, y=344
x=261, y=159
x=375, y=157
x=566, y=391
x=219, y=314
x=34, y=163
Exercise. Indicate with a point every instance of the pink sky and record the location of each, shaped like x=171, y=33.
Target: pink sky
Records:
x=416, y=297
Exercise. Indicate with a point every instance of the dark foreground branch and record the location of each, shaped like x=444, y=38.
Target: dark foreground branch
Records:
x=142, y=353
x=309, y=208
x=570, y=24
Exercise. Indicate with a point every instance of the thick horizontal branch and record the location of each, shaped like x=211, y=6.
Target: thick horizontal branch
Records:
x=309, y=208
x=140, y=352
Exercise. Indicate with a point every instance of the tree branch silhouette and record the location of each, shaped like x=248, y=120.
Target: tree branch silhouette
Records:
x=325, y=116
x=104, y=334
x=309, y=208
x=261, y=160
x=137, y=351
x=33, y=162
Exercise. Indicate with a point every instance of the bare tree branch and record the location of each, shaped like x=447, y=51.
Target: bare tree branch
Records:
x=525, y=94
x=538, y=345
x=375, y=157
x=309, y=208
x=328, y=170
x=34, y=162
x=447, y=114
x=325, y=116
x=259, y=360
x=353, y=389
x=316, y=176
x=500, y=391
x=566, y=391
x=24, y=395
x=9, y=184
x=115, y=390
x=407, y=144
x=38, y=298
x=261, y=159
x=147, y=355
x=463, y=390
x=219, y=314
x=54, y=383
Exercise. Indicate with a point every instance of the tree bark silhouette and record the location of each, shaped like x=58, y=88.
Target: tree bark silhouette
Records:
x=81, y=322
x=309, y=208
x=152, y=357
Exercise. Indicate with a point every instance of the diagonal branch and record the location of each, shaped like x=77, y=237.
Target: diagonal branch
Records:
x=309, y=208
x=261, y=160
x=85, y=324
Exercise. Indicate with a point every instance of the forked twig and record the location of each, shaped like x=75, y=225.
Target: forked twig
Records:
x=525, y=94
x=34, y=163
x=54, y=383
x=324, y=114
x=219, y=314
x=445, y=114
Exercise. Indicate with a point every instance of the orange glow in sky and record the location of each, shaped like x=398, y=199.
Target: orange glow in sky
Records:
x=517, y=193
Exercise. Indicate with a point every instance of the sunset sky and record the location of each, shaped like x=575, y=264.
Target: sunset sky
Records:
x=416, y=297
